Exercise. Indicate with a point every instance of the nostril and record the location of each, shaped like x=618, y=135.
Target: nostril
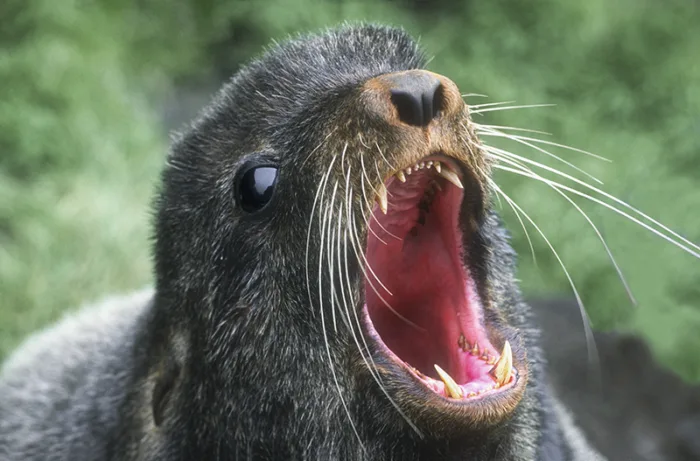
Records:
x=409, y=106
x=417, y=98
x=438, y=102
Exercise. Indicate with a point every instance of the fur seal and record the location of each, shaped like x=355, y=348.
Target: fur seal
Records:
x=331, y=283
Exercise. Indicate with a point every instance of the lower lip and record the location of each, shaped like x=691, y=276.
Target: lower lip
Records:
x=437, y=387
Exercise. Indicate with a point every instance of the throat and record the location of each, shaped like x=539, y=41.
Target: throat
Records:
x=415, y=295
x=420, y=297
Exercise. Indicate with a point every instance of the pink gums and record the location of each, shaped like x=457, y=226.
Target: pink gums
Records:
x=420, y=299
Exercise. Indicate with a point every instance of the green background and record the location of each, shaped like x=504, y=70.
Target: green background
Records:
x=89, y=90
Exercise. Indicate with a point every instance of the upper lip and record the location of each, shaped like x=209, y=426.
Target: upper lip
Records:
x=451, y=173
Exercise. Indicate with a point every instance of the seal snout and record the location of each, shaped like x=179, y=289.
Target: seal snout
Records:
x=413, y=97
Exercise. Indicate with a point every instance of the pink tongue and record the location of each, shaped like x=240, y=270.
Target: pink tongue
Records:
x=423, y=280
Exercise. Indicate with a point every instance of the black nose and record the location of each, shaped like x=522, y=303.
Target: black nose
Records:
x=417, y=96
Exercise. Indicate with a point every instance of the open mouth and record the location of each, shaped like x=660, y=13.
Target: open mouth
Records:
x=422, y=307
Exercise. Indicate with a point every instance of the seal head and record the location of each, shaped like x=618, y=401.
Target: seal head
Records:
x=331, y=282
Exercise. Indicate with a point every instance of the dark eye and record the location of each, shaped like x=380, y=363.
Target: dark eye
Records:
x=256, y=187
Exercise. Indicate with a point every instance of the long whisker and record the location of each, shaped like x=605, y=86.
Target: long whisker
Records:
x=364, y=216
x=488, y=130
x=493, y=109
x=343, y=256
x=373, y=368
x=607, y=205
x=367, y=222
x=329, y=243
x=393, y=168
x=321, y=186
x=695, y=247
x=522, y=224
x=617, y=267
x=369, y=204
x=489, y=104
x=364, y=173
x=544, y=151
x=509, y=128
x=325, y=331
x=590, y=340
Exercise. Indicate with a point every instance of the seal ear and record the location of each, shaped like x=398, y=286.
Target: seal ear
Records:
x=166, y=380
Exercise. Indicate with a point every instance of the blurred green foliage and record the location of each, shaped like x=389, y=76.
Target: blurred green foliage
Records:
x=82, y=139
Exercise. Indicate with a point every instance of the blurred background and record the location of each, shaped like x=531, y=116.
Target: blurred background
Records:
x=90, y=90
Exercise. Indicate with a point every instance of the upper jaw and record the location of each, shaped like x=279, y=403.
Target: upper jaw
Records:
x=445, y=168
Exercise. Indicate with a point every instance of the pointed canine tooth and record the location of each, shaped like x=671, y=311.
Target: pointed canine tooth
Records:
x=438, y=167
x=452, y=177
x=451, y=386
x=383, y=198
x=401, y=176
x=503, y=369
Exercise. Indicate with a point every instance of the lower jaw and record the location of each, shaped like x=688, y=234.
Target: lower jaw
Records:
x=483, y=381
x=427, y=406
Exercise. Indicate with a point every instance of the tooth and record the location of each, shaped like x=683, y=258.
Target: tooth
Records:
x=383, y=198
x=422, y=165
x=462, y=342
x=452, y=177
x=430, y=163
x=408, y=170
x=502, y=370
x=450, y=385
x=475, y=349
x=438, y=167
x=401, y=176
